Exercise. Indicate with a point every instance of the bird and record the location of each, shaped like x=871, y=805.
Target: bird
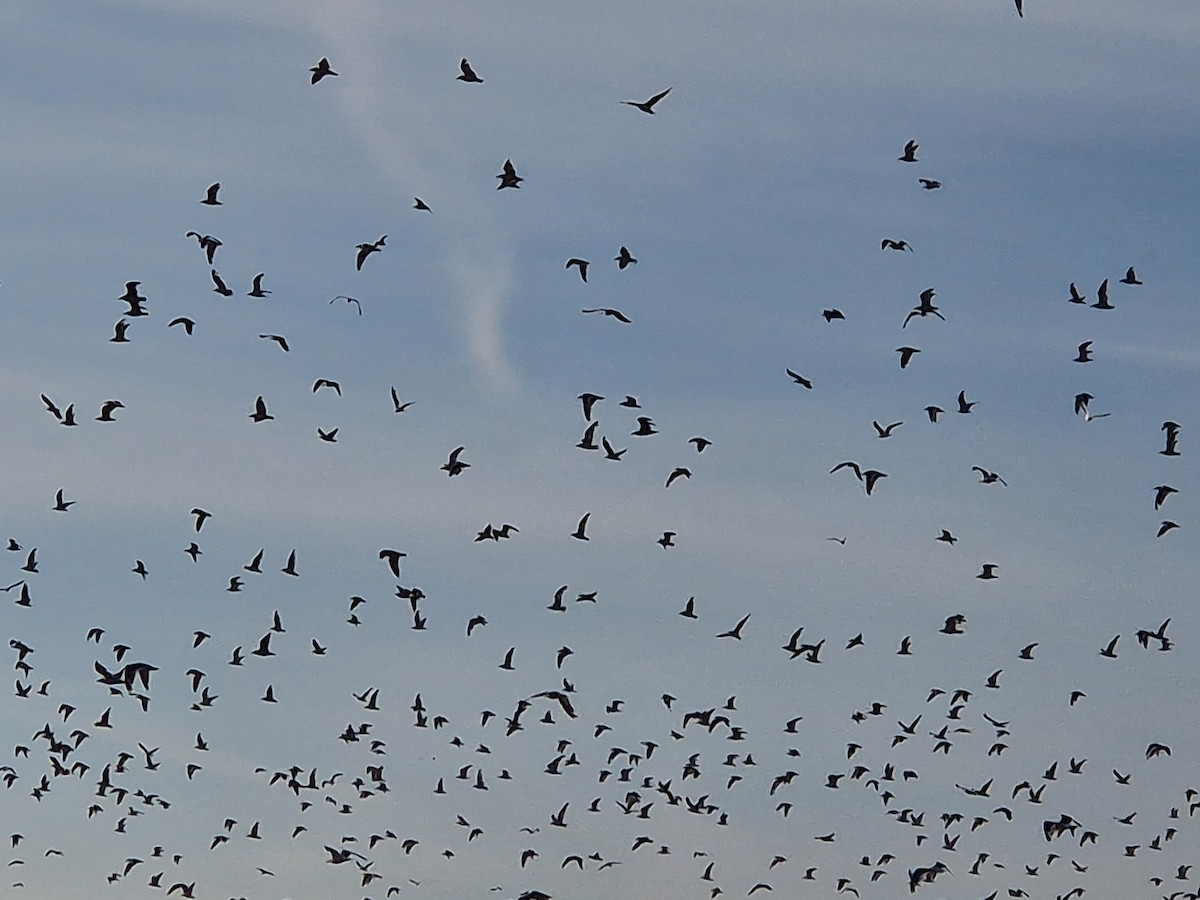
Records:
x=208, y=244
x=326, y=383
x=365, y=250
x=986, y=477
x=288, y=569
x=1161, y=493
x=330, y=437
x=799, y=379
x=508, y=176
x=119, y=331
x=210, y=195
x=107, y=409
x=589, y=400
x=933, y=412
x=1102, y=297
x=397, y=406
x=60, y=504
x=910, y=152
x=667, y=539
x=256, y=289
x=278, y=339
x=467, y=73
x=454, y=466
x=882, y=432
x=202, y=516
x=260, y=410
x=188, y=324
x=988, y=572
x=678, y=472
x=1020, y=12
x=613, y=313
x=1130, y=277
x=321, y=70
x=889, y=244
x=929, y=184
x=348, y=300
x=700, y=443
x=624, y=258
x=645, y=427
x=1084, y=353
x=964, y=406
x=581, y=264
x=1076, y=297
x=1172, y=436
x=647, y=106
x=946, y=537
x=906, y=355
x=392, y=558
x=831, y=314
x=1165, y=526
x=219, y=285
x=924, y=307
x=736, y=631
x=580, y=532
x=420, y=204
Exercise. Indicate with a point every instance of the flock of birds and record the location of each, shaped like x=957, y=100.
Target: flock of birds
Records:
x=692, y=760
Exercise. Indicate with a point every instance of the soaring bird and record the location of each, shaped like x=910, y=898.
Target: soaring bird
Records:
x=210, y=196
x=508, y=176
x=647, y=106
x=256, y=289
x=467, y=73
x=219, y=286
x=889, y=244
x=365, y=250
x=799, y=379
x=580, y=532
x=906, y=355
x=1084, y=353
x=260, y=410
x=454, y=466
x=612, y=313
x=581, y=264
x=1130, y=277
x=910, y=152
x=321, y=70
x=1102, y=297
x=207, y=242
x=624, y=258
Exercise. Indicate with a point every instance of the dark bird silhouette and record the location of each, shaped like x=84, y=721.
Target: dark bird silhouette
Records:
x=210, y=195
x=624, y=258
x=467, y=73
x=256, y=288
x=208, y=244
x=964, y=406
x=1084, y=354
x=453, y=465
x=929, y=184
x=647, y=106
x=508, y=176
x=321, y=70
x=119, y=333
x=736, y=631
x=420, y=204
x=392, y=557
x=219, y=286
x=278, y=339
x=832, y=314
x=799, y=379
x=1130, y=277
x=61, y=505
x=1161, y=493
x=889, y=244
x=260, y=410
x=1076, y=297
x=910, y=152
x=188, y=324
x=1102, y=297
x=645, y=427
x=581, y=264
x=906, y=355
x=580, y=532
x=882, y=432
x=107, y=409
x=1172, y=430
x=365, y=250
x=613, y=313
x=923, y=308
x=397, y=406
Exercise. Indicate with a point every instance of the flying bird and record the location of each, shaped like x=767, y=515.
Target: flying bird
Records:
x=467, y=73
x=910, y=152
x=624, y=258
x=210, y=195
x=365, y=250
x=508, y=176
x=647, y=106
x=613, y=313
x=321, y=70
x=260, y=413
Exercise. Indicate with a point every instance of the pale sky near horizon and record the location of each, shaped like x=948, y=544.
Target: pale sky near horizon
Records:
x=754, y=199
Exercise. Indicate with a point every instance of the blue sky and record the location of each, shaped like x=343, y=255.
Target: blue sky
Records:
x=755, y=198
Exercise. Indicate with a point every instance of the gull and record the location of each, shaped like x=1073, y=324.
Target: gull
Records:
x=1171, y=428
x=1020, y=13
x=906, y=355
x=929, y=184
x=1166, y=526
x=508, y=176
x=667, y=539
x=989, y=572
x=910, y=152
x=933, y=412
x=1076, y=297
x=889, y=244
x=188, y=324
x=645, y=427
x=468, y=74
x=348, y=300
x=278, y=339
x=289, y=569
x=328, y=436
x=201, y=517
x=689, y=609
x=799, y=379
x=614, y=313
x=580, y=532
x=831, y=314
x=588, y=400
x=678, y=472
x=736, y=631
x=986, y=477
x=647, y=106
x=260, y=410
x=924, y=308
x=365, y=250
x=882, y=432
x=1161, y=493
x=700, y=443
x=418, y=203
x=1102, y=297
x=256, y=289
x=397, y=405
x=581, y=264
x=325, y=382
x=630, y=402
x=207, y=242
x=119, y=333
x=1084, y=353
x=392, y=557
x=964, y=407
x=210, y=196
x=624, y=258
x=106, y=410
x=453, y=466
x=321, y=69
x=1130, y=277
x=588, y=441
x=61, y=505
x=219, y=285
